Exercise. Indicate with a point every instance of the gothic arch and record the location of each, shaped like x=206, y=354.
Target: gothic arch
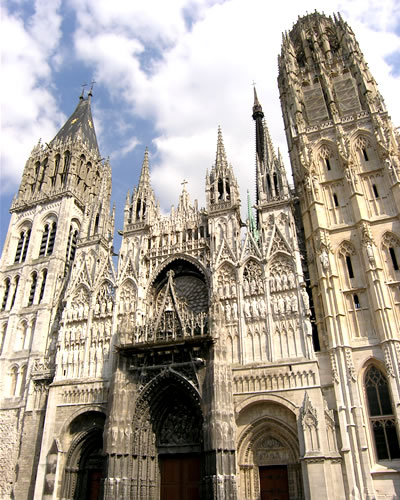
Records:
x=267, y=398
x=84, y=440
x=390, y=248
x=177, y=257
x=267, y=442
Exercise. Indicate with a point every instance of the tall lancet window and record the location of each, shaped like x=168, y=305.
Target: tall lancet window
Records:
x=22, y=246
x=381, y=416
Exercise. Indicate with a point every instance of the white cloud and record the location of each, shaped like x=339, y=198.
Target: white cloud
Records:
x=190, y=76
x=204, y=76
x=29, y=110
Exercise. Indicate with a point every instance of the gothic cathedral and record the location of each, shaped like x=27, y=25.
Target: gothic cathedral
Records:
x=213, y=359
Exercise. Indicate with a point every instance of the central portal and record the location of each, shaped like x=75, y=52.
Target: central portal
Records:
x=180, y=477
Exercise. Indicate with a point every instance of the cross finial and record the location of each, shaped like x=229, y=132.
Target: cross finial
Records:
x=83, y=89
x=91, y=84
x=254, y=83
x=183, y=183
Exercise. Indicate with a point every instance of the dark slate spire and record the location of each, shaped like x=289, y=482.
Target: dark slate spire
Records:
x=80, y=126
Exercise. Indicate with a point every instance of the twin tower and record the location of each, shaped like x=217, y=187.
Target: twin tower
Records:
x=218, y=359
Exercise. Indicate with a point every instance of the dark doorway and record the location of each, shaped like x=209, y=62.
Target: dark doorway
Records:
x=274, y=483
x=180, y=477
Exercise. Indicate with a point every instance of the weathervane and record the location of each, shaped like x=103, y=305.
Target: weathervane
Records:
x=83, y=88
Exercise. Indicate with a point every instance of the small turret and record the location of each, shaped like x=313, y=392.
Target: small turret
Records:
x=271, y=178
x=221, y=184
x=143, y=203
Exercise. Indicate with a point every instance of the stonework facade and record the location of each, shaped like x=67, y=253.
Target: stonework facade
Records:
x=213, y=359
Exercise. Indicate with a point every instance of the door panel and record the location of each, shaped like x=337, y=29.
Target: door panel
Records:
x=180, y=477
x=274, y=483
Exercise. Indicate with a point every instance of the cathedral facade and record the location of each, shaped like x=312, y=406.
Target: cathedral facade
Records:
x=213, y=359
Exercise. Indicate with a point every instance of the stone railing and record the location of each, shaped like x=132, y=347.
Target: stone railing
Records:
x=168, y=329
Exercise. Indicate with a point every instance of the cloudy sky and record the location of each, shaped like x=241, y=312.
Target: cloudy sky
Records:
x=167, y=74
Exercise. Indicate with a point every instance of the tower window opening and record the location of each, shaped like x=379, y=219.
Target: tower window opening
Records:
x=349, y=266
x=220, y=189
x=56, y=168
x=33, y=288
x=327, y=163
x=276, y=185
x=44, y=165
x=67, y=162
x=96, y=224
x=138, y=209
x=356, y=300
x=375, y=190
x=227, y=189
x=381, y=415
x=48, y=238
x=6, y=292
x=43, y=285
x=335, y=200
x=16, y=282
x=269, y=184
x=22, y=246
x=71, y=246
x=365, y=154
x=394, y=258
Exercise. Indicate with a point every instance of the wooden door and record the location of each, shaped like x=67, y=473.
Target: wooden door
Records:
x=94, y=484
x=180, y=477
x=274, y=483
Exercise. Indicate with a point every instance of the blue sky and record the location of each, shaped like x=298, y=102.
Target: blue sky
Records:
x=167, y=74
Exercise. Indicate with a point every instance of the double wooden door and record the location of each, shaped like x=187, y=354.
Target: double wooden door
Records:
x=274, y=483
x=180, y=477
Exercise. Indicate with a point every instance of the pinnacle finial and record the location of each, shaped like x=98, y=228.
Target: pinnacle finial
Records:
x=220, y=160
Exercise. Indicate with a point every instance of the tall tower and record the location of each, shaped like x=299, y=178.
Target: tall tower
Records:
x=55, y=213
x=345, y=157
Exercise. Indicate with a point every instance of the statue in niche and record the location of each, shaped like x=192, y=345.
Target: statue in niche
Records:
x=291, y=280
x=324, y=259
x=370, y=252
x=275, y=306
x=247, y=312
x=253, y=286
x=281, y=304
x=254, y=308
x=235, y=310
x=294, y=304
x=227, y=311
x=306, y=301
x=284, y=281
x=261, y=307
x=246, y=287
x=272, y=284
x=278, y=283
x=233, y=290
x=288, y=302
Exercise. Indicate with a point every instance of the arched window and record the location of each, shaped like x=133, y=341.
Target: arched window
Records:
x=381, y=415
x=56, y=168
x=391, y=250
x=13, y=380
x=2, y=336
x=67, y=162
x=22, y=246
x=21, y=380
x=43, y=173
x=6, y=292
x=71, y=246
x=33, y=288
x=16, y=283
x=43, y=285
x=20, y=336
x=48, y=238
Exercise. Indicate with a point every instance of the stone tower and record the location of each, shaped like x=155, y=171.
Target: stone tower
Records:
x=55, y=216
x=345, y=157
